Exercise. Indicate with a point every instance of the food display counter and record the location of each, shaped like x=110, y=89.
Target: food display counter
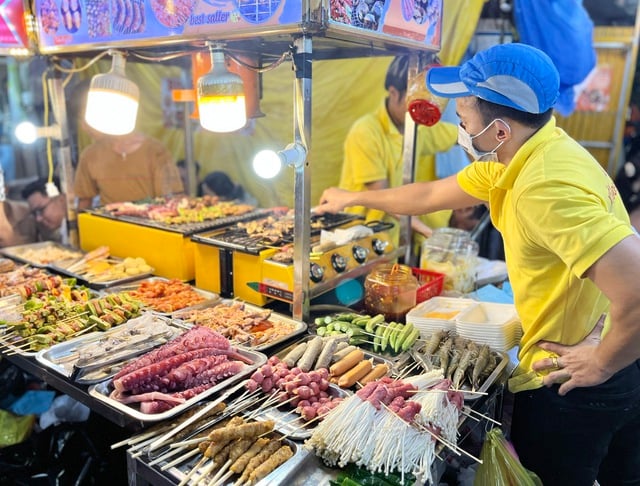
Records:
x=308, y=30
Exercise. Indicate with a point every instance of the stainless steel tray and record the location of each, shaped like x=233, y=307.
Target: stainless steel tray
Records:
x=59, y=267
x=210, y=298
x=102, y=390
x=18, y=252
x=279, y=475
x=299, y=327
x=66, y=357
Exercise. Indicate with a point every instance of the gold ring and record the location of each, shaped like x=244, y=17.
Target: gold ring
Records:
x=554, y=362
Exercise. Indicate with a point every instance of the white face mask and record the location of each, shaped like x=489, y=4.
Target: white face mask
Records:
x=465, y=140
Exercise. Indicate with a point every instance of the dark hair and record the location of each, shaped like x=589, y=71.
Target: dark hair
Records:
x=222, y=185
x=39, y=185
x=397, y=74
x=490, y=111
x=182, y=163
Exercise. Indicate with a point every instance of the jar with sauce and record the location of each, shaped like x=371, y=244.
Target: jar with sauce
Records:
x=390, y=289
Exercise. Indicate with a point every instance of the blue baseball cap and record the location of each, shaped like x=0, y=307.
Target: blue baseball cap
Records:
x=515, y=75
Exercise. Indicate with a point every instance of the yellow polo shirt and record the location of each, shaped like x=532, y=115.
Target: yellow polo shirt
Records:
x=373, y=152
x=558, y=212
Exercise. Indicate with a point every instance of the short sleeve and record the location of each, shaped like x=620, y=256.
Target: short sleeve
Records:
x=478, y=178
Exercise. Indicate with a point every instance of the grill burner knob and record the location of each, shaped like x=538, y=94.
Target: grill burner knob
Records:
x=338, y=262
x=379, y=246
x=360, y=253
x=316, y=273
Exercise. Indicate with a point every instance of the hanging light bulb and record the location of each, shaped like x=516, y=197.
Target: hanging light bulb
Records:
x=268, y=163
x=112, y=102
x=221, y=99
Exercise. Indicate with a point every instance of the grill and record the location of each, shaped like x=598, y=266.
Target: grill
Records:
x=186, y=229
x=237, y=238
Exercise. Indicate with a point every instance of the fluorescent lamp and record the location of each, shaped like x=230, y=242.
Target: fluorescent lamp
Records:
x=268, y=163
x=221, y=99
x=27, y=133
x=112, y=102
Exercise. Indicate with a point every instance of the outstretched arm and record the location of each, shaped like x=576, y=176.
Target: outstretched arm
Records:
x=411, y=199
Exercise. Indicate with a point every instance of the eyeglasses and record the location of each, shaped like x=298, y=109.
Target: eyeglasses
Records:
x=38, y=212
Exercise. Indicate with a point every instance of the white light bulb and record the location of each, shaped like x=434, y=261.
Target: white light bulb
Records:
x=26, y=132
x=267, y=164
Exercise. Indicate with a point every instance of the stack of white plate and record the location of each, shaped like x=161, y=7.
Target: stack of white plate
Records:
x=496, y=325
x=438, y=313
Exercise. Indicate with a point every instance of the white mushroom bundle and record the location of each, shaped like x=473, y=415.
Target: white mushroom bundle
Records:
x=383, y=428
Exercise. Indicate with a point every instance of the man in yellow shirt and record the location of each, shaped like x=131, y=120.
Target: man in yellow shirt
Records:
x=373, y=151
x=572, y=256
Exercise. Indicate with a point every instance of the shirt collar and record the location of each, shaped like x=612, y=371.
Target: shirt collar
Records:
x=385, y=120
x=523, y=154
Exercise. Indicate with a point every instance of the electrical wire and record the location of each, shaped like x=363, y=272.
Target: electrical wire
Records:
x=45, y=97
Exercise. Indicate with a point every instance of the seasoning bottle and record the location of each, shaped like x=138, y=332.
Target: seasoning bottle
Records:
x=390, y=289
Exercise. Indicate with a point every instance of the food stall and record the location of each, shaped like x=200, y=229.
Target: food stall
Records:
x=306, y=30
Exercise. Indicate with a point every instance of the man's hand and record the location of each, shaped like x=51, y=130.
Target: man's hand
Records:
x=573, y=366
x=334, y=200
x=419, y=227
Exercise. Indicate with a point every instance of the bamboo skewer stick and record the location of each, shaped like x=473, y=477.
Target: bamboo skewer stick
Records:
x=220, y=472
x=190, y=474
x=178, y=460
x=168, y=454
x=483, y=416
x=223, y=479
x=162, y=440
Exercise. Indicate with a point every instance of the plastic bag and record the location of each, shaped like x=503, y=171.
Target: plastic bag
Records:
x=564, y=31
x=500, y=464
x=13, y=429
x=423, y=106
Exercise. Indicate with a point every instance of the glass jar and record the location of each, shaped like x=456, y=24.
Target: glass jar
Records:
x=452, y=252
x=390, y=289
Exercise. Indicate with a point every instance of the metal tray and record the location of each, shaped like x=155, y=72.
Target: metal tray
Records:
x=211, y=298
x=17, y=252
x=279, y=475
x=102, y=390
x=64, y=358
x=58, y=268
x=299, y=326
x=292, y=424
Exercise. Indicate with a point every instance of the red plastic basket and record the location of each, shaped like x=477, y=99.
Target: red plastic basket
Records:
x=431, y=284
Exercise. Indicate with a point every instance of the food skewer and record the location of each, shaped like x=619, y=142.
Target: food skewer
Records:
x=162, y=440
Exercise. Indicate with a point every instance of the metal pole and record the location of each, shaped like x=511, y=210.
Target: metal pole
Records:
x=627, y=79
x=58, y=105
x=302, y=60
x=409, y=168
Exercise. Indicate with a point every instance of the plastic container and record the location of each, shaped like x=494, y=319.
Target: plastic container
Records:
x=453, y=253
x=496, y=325
x=390, y=289
x=438, y=313
x=431, y=284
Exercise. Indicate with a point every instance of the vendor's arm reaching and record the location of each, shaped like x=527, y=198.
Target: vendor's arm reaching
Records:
x=411, y=199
